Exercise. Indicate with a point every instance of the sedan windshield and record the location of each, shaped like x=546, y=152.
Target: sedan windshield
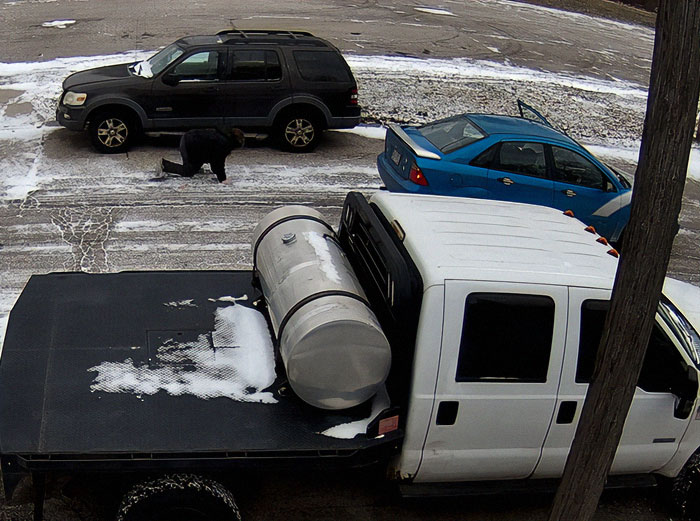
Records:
x=451, y=134
x=159, y=61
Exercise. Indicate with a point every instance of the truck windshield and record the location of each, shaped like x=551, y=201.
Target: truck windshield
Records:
x=156, y=63
x=686, y=334
x=452, y=133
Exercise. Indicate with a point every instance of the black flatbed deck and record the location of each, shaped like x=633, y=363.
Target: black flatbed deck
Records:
x=63, y=324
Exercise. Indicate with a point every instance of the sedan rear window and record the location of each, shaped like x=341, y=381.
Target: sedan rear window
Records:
x=451, y=134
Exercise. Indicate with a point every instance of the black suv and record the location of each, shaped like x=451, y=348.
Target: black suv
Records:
x=288, y=82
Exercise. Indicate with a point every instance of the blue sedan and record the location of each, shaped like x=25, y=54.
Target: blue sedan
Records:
x=506, y=158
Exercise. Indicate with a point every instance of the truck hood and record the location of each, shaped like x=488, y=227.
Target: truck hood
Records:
x=99, y=74
x=686, y=298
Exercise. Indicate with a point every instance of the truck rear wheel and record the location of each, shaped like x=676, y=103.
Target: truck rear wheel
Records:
x=178, y=497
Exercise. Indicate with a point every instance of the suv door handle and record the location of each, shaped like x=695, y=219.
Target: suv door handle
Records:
x=567, y=411
x=447, y=413
x=569, y=192
x=506, y=181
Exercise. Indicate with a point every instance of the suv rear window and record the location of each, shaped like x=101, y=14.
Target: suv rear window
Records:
x=321, y=66
x=451, y=134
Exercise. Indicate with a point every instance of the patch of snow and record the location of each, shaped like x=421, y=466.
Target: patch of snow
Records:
x=347, y=431
x=433, y=10
x=493, y=49
x=61, y=24
x=365, y=131
x=229, y=299
x=189, y=303
x=237, y=362
x=320, y=245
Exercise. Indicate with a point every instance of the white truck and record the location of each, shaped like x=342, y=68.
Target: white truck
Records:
x=463, y=369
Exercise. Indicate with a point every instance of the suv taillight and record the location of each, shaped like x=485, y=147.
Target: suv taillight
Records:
x=416, y=176
x=353, y=96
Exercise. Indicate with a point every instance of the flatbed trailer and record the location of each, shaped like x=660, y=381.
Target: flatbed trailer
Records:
x=52, y=421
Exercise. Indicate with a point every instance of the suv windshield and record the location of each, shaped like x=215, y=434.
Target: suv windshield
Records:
x=451, y=134
x=159, y=61
x=686, y=334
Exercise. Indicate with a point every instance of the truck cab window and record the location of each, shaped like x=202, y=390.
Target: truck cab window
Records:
x=663, y=370
x=506, y=337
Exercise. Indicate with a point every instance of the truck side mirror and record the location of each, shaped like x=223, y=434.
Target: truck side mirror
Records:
x=686, y=396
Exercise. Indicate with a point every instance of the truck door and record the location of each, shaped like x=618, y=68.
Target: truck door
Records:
x=498, y=375
x=653, y=429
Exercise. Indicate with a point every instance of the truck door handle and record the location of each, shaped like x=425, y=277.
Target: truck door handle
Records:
x=569, y=192
x=505, y=180
x=447, y=413
x=567, y=411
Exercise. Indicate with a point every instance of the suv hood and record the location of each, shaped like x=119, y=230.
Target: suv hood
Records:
x=100, y=74
x=686, y=298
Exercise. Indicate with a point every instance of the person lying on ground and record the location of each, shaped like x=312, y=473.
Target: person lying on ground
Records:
x=201, y=146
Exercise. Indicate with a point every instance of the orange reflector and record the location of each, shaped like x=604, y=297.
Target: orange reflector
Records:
x=613, y=252
x=569, y=213
x=602, y=240
x=388, y=425
x=590, y=229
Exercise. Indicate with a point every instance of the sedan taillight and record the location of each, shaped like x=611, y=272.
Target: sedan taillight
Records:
x=416, y=176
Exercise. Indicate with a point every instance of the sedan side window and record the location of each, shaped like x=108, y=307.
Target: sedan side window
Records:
x=570, y=167
x=522, y=158
x=201, y=66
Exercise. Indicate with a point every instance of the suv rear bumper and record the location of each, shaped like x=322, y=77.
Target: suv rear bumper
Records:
x=344, y=122
x=71, y=118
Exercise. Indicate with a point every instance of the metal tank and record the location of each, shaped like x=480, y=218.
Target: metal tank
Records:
x=334, y=351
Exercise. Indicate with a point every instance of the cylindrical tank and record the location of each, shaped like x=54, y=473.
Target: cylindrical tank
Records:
x=334, y=351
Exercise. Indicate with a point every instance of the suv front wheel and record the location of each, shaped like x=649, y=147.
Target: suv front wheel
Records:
x=112, y=131
x=298, y=132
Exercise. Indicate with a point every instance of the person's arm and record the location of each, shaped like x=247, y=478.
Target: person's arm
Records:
x=218, y=167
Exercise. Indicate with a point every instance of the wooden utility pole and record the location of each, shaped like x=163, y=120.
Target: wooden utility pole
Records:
x=656, y=203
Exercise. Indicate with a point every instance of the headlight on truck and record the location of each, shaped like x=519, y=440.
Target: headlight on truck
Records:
x=74, y=99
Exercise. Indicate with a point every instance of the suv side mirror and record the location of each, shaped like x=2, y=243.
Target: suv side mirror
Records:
x=170, y=79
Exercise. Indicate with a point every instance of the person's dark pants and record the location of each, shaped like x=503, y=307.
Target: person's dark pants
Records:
x=187, y=169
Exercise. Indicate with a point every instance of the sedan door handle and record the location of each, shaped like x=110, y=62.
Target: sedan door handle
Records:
x=569, y=192
x=506, y=181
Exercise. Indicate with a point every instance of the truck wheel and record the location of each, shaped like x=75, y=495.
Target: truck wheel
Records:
x=112, y=131
x=178, y=497
x=298, y=132
x=685, y=489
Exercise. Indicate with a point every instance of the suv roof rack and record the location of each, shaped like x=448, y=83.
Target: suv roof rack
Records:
x=261, y=32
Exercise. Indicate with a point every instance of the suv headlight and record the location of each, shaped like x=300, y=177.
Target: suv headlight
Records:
x=74, y=98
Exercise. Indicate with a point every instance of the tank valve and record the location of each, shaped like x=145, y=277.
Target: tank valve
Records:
x=289, y=238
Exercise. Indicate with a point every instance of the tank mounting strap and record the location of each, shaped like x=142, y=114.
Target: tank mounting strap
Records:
x=280, y=221
x=311, y=298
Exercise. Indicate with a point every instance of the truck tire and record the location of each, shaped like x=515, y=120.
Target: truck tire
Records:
x=298, y=131
x=178, y=497
x=112, y=131
x=685, y=489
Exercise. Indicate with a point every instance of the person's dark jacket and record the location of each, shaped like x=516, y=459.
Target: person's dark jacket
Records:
x=211, y=146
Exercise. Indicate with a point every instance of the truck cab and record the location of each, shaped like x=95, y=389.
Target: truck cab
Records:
x=514, y=302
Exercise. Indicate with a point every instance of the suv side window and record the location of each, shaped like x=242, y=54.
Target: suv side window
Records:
x=506, y=337
x=201, y=66
x=571, y=167
x=521, y=157
x=321, y=66
x=255, y=66
x=663, y=368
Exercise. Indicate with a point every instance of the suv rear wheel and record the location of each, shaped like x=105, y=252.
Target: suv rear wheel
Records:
x=112, y=131
x=298, y=132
